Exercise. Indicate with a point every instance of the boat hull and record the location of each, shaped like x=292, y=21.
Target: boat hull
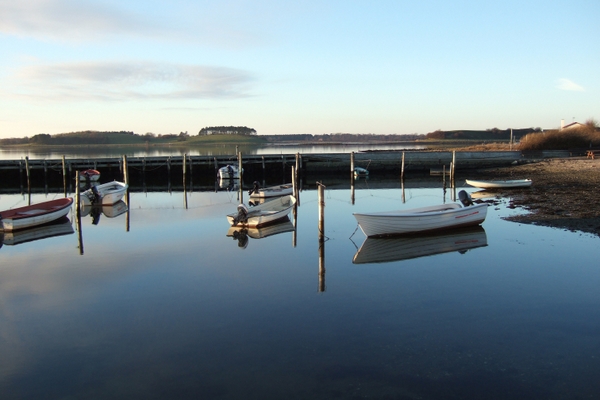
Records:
x=273, y=191
x=36, y=214
x=427, y=219
x=109, y=193
x=265, y=213
x=499, y=184
x=90, y=175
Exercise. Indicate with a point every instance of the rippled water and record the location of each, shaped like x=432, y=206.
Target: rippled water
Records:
x=159, y=302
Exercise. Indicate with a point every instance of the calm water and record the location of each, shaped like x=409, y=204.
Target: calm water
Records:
x=83, y=152
x=161, y=304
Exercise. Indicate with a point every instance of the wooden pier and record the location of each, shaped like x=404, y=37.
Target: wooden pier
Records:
x=156, y=171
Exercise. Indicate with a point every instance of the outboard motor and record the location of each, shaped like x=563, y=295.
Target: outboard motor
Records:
x=96, y=195
x=242, y=215
x=254, y=189
x=465, y=199
x=230, y=171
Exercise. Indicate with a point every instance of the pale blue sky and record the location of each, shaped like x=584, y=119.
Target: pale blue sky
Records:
x=296, y=67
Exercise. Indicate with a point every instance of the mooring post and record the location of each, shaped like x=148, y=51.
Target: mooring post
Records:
x=241, y=176
x=352, y=164
x=321, y=197
x=321, y=201
x=125, y=170
x=453, y=167
x=191, y=171
x=46, y=176
x=216, y=167
x=297, y=166
x=263, y=167
x=402, y=170
x=78, y=213
x=21, y=174
x=27, y=172
x=64, y=173
x=184, y=167
x=294, y=181
x=70, y=174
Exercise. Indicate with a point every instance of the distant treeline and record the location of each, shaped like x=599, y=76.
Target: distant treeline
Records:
x=127, y=137
x=227, y=130
x=343, y=138
x=493, y=134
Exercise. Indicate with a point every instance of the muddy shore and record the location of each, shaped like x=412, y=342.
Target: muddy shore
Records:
x=565, y=192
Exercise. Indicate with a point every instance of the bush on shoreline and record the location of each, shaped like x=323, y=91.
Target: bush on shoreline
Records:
x=575, y=138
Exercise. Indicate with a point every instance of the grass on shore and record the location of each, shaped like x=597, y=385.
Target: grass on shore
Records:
x=576, y=138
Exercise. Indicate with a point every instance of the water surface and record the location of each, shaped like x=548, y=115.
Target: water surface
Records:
x=160, y=303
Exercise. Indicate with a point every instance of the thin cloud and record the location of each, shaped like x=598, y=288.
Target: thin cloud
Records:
x=567, y=84
x=132, y=81
x=69, y=19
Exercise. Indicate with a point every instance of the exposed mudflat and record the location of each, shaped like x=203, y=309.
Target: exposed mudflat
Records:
x=565, y=193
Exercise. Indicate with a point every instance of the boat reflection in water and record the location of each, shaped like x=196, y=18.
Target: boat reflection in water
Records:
x=61, y=226
x=110, y=211
x=387, y=249
x=242, y=233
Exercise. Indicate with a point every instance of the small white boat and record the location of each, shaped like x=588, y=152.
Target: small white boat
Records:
x=89, y=175
x=59, y=227
x=424, y=219
x=397, y=248
x=272, y=191
x=263, y=214
x=105, y=194
x=360, y=171
x=36, y=214
x=229, y=172
x=516, y=183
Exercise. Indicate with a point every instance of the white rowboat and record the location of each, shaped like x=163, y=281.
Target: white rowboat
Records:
x=36, y=214
x=517, y=183
x=229, y=172
x=272, y=191
x=424, y=219
x=263, y=214
x=105, y=194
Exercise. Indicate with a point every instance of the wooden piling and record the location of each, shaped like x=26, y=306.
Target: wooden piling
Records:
x=297, y=167
x=402, y=170
x=21, y=174
x=27, y=173
x=321, y=202
x=352, y=164
x=78, y=213
x=321, y=197
x=64, y=173
x=241, y=176
x=125, y=170
x=294, y=188
x=184, y=168
x=453, y=176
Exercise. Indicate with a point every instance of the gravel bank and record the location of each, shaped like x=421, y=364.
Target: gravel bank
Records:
x=565, y=193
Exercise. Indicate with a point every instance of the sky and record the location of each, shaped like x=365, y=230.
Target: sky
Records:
x=289, y=67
